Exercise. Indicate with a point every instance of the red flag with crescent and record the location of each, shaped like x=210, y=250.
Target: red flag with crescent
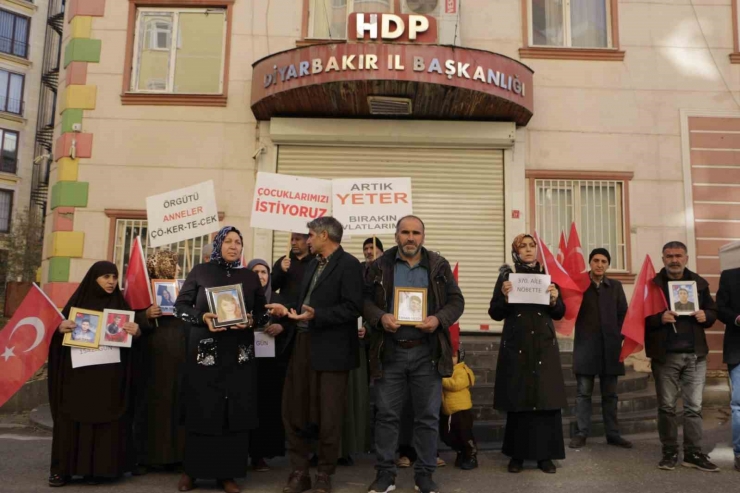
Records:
x=24, y=341
x=136, y=289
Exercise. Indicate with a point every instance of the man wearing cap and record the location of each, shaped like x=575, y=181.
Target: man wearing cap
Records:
x=598, y=343
x=372, y=249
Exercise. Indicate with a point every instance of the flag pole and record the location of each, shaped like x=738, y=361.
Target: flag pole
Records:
x=375, y=250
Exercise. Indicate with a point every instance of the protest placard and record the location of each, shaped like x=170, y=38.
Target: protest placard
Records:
x=182, y=214
x=288, y=203
x=264, y=345
x=371, y=205
x=529, y=288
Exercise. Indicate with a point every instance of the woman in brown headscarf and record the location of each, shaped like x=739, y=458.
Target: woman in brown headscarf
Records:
x=159, y=434
x=529, y=379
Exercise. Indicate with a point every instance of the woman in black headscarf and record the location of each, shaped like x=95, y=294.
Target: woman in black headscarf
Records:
x=529, y=379
x=92, y=405
x=220, y=388
x=268, y=440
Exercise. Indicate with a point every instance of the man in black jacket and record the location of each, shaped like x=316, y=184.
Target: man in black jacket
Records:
x=678, y=348
x=326, y=348
x=411, y=358
x=598, y=343
x=288, y=271
x=728, y=305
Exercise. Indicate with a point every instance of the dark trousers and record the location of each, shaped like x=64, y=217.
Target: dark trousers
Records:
x=408, y=370
x=457, y=432
x=313, y=409
x=681, y=375
x=608, y=384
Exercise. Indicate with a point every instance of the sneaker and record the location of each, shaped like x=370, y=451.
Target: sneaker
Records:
x=298, y=482
x=547, y=466
x=385, y=481
x=440, y=462
x=403, y=462
x=516, y=466
x=577, y=441
x=699, y=461
x=323, y=483
x=669, y=461
x=470, y=463
x=619, y=442
x=423, y=483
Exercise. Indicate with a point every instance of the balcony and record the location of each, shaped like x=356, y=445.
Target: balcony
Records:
x=14, y=47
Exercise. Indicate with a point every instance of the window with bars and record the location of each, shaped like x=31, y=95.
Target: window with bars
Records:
x=14, y=34
x=189, y=251
x=596, y=206
x=6, y=209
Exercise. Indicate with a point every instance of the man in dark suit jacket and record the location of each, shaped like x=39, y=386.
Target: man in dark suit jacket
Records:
x=326, y=348
x=728, y=306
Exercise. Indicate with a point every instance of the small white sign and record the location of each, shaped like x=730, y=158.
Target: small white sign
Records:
x=182, y=214
x=529, y=288
x=288, y=203
x=371, y=205
x=264, y=345
x=88, y=357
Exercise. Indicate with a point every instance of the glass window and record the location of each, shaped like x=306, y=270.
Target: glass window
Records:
x=596, y=206
x=9, y=152
x=570, y=23
x=179, y=51
x=13, y=34
x=6, y=207
x=328, y=18
x=11, y=92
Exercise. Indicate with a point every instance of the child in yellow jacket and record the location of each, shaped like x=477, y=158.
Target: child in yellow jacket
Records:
x=456, y=419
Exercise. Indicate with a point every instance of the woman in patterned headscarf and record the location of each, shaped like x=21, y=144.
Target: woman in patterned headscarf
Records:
x=160, y=438
x=529, y=379
x=220, y=390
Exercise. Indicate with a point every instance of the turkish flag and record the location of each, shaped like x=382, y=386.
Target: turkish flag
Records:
x=562, y=248
x=570, y=292
x=647, y=299
x=455, y=328
x=24, y=342
x=136, y=288
x=575, y=264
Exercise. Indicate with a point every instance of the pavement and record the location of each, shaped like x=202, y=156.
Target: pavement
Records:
x=25, y=451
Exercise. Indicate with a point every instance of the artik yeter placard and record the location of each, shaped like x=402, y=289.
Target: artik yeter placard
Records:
x=371, y=205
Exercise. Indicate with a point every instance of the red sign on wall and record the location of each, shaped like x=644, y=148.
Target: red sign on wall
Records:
x=450, y=6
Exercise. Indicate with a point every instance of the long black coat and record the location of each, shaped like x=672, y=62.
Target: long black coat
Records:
x=337, y=302
x=598, y=340
x=226, y=391
x=728, y=305
x=528, y=373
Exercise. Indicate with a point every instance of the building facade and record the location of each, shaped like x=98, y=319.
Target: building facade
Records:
x=508, y=115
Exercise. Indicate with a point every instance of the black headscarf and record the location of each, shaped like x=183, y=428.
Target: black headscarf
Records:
x=91, y=296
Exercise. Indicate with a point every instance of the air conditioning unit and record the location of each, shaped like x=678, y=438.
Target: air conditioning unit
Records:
x=447, y=13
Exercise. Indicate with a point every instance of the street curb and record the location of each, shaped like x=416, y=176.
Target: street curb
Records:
x=41, y=417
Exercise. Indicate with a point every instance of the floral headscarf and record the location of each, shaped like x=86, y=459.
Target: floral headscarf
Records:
x=218, y=242
x=162, y=264
x=519, y=265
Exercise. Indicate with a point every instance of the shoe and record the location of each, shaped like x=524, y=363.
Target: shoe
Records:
x=385, y=481
x=260, y=465
x=737, y=463
x=698, y=460
x=323, y=483
x=423, y=483
x=440, y=462
x=669, y=461
x=298, y=482
x=57, y=480
x=346, y=461
x=516, y=465
x=140, y=470
x=186, y=483
x=619, y=442
x=229, y=486
x=458, y=459
x=547, y=466
x=403, y=462
x=577, y=441
x=470, y=463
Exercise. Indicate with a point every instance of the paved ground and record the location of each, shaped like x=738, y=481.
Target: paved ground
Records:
x=24, y=459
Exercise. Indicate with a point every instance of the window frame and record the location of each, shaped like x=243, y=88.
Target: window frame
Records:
x=16, y=15
x=7, y=94
x=3, y=131
x=307, y=27
x=626, y=177
x=566, y=52
x=11, y=192
x=162, y=98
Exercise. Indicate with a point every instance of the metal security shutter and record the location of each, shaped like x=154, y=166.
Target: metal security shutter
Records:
x=458, y=193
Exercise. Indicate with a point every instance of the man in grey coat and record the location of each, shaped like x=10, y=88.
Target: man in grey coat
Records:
x=596, y=350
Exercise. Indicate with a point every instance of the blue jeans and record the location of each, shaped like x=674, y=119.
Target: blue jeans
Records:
x=735, y=406
x=408, y=370
x=608, y=385
x=682, y=374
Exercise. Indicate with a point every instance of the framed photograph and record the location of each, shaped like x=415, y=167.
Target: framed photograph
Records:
x=113, y=333
x=410, y=305
x=87, y=333
x=684, y=297
x=227, y=302
x=165, y=293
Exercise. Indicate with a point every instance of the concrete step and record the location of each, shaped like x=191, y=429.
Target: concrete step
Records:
x=488, y=359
